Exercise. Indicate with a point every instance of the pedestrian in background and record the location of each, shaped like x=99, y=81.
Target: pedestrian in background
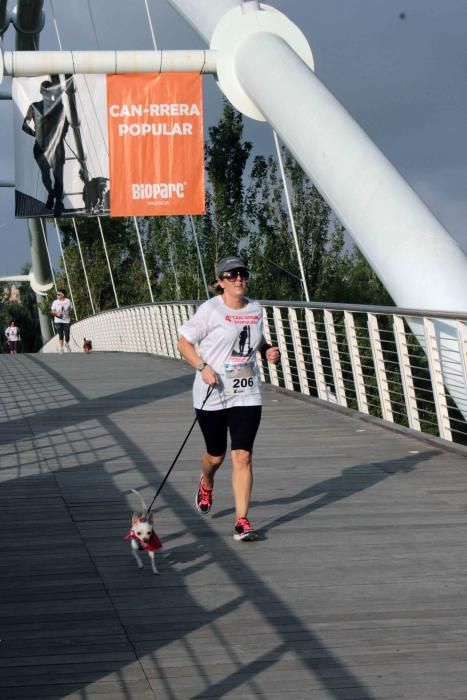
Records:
x=61, y=310
x=13, y=336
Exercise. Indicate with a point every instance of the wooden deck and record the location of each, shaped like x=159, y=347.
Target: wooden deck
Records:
x=357, y=589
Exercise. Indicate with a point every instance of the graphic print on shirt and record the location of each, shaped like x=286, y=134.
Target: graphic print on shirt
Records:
x=12, y=333
x=64, y=308
x=241, y=376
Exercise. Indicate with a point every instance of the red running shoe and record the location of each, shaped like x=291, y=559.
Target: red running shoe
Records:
x=244, y=531
x=203, y=500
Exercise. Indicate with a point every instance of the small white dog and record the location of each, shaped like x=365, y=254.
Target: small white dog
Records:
x=143, y=536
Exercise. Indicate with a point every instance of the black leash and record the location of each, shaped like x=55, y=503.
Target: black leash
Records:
x=208, y=394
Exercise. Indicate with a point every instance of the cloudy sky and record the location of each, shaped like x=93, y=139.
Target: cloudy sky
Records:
x=398, y=67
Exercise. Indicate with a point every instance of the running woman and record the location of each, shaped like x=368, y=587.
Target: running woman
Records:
x=227, y=331
x=61, y=308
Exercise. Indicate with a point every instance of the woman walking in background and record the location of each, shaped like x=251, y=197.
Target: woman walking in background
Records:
x=13, y=336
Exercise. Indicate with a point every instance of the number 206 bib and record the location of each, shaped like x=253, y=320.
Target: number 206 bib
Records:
x=240, y=377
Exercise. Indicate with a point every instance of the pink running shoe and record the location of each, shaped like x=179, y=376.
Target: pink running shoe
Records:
x=244, y=531
x=203, y=500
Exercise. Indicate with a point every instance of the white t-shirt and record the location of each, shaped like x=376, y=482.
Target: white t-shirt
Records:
x=64, y=307
x=227, y=340
x=12, y=333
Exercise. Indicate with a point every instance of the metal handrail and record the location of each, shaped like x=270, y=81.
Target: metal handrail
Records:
x=332, y=306
x=406, y=366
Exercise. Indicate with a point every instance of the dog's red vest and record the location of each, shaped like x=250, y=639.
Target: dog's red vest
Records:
x=151, y=546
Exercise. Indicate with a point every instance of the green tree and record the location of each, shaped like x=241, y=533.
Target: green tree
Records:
x=125, y=262
x=334, y=271
x=220, y=231
x=270, y=253
x=177, y=260
x=363, y=285
x=24, y=314
x=226, y=155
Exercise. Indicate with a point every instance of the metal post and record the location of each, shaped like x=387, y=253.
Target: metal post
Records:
x=315, y=352
x=403, y=356
x=273, y=373
x=355, y=362
x=298, y=351
x=334, y=357
x=28, y=19
x=41, y=272
x=380, y=368
x=436, y=374
x=161, y=331
x=282, y=344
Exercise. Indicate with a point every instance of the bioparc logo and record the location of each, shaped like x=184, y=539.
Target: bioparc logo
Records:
x=158, y=190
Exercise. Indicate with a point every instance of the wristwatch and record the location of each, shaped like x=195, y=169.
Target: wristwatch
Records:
x=201, y=366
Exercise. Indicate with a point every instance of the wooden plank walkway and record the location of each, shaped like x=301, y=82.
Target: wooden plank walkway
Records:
x=355, y=591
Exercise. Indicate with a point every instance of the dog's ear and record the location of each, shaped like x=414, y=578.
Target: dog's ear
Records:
x=135, y=519
x=150, y=518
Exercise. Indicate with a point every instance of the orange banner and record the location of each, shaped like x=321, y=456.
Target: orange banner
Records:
x=155, y=126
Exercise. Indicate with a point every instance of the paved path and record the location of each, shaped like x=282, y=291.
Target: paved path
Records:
x=357, y=589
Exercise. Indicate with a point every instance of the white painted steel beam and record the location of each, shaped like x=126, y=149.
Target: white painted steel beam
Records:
x=397, y=233
x=264, y=69
x=203, y=15
x=33, y=63
x=14, y=278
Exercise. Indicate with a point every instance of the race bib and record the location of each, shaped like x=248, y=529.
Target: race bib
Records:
x=240, y=377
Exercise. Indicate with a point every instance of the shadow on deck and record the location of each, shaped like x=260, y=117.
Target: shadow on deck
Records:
x=355, y=590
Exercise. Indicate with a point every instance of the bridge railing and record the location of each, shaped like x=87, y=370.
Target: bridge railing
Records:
x=405, y=366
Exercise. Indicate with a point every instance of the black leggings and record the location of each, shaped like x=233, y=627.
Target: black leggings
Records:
x=242, y=422
x=63, y=329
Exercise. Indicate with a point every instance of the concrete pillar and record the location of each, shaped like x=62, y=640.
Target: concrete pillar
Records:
x=41, y=271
